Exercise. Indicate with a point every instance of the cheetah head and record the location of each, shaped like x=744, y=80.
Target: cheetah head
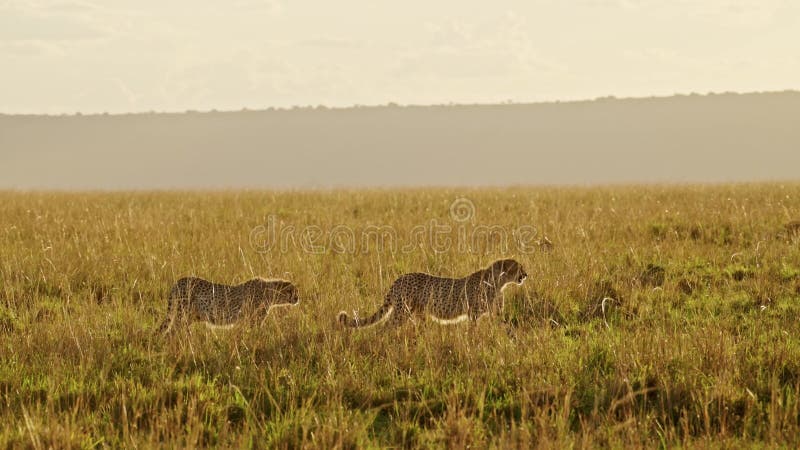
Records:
x=278, y=292
x=286, y=292
x=507, y=271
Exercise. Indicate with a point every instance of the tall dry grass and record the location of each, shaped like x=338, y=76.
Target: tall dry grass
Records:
x=697, y=344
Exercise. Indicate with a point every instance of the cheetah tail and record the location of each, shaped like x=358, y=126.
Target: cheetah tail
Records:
x=382, y=313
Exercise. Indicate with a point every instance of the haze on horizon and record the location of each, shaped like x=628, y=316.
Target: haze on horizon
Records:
x=119, y=56
x=65, y=56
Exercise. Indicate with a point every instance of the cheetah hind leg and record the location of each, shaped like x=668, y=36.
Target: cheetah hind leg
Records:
x=399, y=320
x=400, y=315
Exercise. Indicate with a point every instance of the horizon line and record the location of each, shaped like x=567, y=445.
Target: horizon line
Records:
x=392, y=104
x=656, y=184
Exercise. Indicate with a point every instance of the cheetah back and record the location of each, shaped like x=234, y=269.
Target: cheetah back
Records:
x=441, y=298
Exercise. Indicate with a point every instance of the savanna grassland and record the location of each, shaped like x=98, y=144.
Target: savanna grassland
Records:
x=653, y=316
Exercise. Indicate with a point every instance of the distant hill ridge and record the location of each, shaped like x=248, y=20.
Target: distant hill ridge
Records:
x=684, y=138
x=609, y=98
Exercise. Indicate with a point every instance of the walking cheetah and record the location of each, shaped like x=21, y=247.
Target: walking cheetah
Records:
x=195, y=299
x=445, y=300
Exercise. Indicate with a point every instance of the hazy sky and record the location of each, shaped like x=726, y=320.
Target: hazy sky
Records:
x=139, y=55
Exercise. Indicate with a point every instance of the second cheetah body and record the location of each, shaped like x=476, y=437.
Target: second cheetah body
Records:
x=444, y=300
x=195, y=299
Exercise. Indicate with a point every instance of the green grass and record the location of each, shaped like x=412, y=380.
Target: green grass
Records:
x=699, y=346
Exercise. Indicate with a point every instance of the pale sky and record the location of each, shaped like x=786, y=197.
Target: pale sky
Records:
x=174, y=55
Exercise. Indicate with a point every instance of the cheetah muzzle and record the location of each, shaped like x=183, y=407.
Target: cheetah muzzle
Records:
x=195, y=299
x=445, y=300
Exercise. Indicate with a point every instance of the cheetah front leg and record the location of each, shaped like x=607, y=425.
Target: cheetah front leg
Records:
x=477, y=309
x=498, y=309
x=258, y=316
x=474, y=314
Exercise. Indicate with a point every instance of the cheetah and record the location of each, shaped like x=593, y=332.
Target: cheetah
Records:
x=195, y=299
x=445, y=300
